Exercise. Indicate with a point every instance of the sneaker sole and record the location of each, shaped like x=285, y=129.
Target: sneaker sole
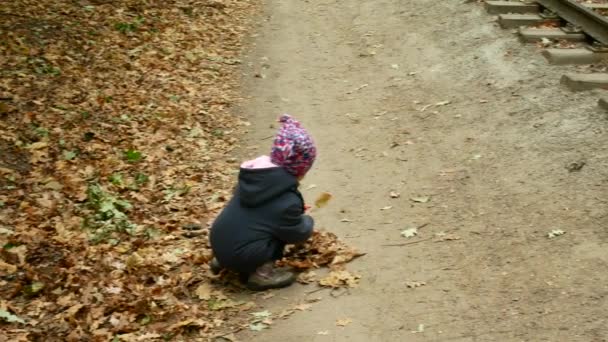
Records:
x=257, y=287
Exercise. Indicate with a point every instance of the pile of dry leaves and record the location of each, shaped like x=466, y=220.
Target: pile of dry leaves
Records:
x=322, y=249
x=115, y=131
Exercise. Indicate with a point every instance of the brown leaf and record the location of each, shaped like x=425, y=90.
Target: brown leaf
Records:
x=307, y=277
x=303, y=306
x=340, y=278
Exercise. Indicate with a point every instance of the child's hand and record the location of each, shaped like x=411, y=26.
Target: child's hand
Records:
x=307, y=208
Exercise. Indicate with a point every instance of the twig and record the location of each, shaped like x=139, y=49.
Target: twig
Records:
x=339, y=294
x=422, y=225
x=406, y=243
x=317, y=290
x=268, y=137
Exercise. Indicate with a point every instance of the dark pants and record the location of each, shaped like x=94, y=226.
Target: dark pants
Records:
x=246, y=263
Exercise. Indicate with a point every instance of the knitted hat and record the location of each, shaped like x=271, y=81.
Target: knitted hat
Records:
x=293, y=148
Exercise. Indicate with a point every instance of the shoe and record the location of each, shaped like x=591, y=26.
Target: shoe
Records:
x=268, y=277
x=215, y=266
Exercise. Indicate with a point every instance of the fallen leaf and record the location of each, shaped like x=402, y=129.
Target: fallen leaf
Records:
x=394, y=194
x=311, y=186
x=443, y=103
x=38, y=145
x=575, y=166
x=387, y=208
x=323, y=199
x=414, y=284
x=286, y=313
x=7, y=268
x=419, y=330
x=422, y=199
x=395, y=66
x=258, y=326
x=345, y=220
x=9, y=317
x=303, y=307
x=344, y=322
x=447, y=236
x=325, y=333
x=555, y=233
x=340, y=278
x=268, y=295
x=203, y=291
x=307, y=277
x=261, y=314
x=410, y=232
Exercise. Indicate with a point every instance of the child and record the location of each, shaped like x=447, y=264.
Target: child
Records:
x=266, y=211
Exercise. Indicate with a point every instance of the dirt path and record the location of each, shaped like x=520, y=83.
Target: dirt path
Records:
x=493, y=162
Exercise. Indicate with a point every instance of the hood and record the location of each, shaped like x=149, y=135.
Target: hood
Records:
x=259, y=185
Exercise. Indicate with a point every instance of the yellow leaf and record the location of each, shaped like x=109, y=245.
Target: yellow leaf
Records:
x=322, y=200
x=38, y=145
x=344, y=322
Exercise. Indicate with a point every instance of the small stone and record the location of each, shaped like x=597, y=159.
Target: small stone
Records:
x=192, y=226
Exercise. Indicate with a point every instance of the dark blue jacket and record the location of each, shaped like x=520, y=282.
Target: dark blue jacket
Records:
x=265, y=213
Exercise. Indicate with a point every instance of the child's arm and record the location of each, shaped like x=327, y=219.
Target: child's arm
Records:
x=295, y=225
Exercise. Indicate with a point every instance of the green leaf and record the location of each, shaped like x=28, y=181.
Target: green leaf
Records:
x=33, y=288
x=116, y=179
x=41, y=131
x=133, y=156
x=9, y=317
x=141, y=178
x=123, y=204
x=10, y=245
x=145, y=320
x=69, y=155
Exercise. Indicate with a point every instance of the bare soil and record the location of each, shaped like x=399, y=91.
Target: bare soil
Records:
x=371, y=80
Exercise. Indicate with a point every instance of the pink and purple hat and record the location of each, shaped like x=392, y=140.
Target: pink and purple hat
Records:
x=293, y=148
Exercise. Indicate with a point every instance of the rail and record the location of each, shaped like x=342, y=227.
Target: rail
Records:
x=588, y=20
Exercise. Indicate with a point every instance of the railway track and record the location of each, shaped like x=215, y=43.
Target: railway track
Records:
x=569, y=31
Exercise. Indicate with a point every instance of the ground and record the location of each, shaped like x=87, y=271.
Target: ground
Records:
x=431, y=100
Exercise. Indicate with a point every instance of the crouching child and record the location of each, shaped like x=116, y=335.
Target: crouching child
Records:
x=266, y=211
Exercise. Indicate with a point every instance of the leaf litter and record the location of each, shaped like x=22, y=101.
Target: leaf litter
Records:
x=115, y=128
